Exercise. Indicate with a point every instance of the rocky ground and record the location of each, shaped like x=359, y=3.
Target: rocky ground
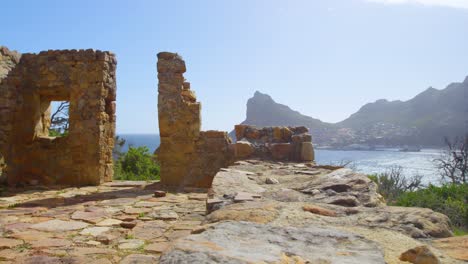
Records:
x=257, y=212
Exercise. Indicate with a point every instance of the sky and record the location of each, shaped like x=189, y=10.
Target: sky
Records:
x=324, y=58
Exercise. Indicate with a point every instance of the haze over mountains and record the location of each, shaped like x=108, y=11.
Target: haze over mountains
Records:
x=423, y=120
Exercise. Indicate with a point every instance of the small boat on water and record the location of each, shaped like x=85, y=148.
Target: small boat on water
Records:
x=410, y=149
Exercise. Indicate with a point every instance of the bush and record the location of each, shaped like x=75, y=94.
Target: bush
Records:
x=449, y=199
x=136, y=164
x=57, y=133
x=392, y=183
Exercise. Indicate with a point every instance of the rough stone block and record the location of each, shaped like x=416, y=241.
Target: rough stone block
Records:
x=307, y=151
x=280, y=151
x=243, y=149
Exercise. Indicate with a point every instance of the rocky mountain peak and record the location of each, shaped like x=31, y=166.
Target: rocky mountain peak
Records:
x=261, y=97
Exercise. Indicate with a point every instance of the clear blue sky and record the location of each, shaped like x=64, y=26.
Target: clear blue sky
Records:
x=323, y=58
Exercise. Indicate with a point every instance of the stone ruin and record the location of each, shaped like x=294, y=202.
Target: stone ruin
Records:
x=28, y=85
x=190, y=157
x=277, y=143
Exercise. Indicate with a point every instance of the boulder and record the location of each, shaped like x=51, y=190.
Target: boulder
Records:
x=271, y=180
x=413, y=221
x=343, y=187
x=419, y=255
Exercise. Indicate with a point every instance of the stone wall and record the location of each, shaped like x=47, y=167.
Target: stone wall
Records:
x=85, y=78
x=8, y=60
x=188, y=156
x=277, y=143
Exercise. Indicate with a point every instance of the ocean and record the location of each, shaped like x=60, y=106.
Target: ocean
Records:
x=369, y=162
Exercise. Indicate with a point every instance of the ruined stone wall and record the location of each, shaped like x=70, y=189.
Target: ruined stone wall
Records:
x=8, y=60
x=85, y=78
x=188, y=157
x=278, y=143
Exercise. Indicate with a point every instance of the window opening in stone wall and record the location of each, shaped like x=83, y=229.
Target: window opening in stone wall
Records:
x=59, y=119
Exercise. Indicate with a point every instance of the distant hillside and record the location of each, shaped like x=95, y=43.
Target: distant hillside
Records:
x=423, y=120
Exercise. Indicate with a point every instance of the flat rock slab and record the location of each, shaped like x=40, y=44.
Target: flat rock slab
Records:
x=40, y=259
x=166, y=215
x=9, y=243
x=149, y=230
x=109, y=222
x=131, y=244
x=50, y=242
x=90, y=217
x=136, y=210
x=126, y=183
x=233, y=182
x=94, y=231
x=198, y=196
x=245, y=242
x=157, y=247
x=118, y=202
x=140, y=259
x=456, y=247
x=308, y=172
x=59, y=225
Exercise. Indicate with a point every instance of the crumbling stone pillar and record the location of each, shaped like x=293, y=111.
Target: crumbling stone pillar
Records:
x=188, y=157
x=85, y=78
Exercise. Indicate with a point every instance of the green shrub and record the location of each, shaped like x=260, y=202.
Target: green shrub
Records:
x=57, y=133
x=449, y=199
x=374, y=178
x=392, y=183
x=136, y=164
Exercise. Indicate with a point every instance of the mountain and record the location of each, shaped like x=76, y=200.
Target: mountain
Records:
x=263, y=111
x=423, y=120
